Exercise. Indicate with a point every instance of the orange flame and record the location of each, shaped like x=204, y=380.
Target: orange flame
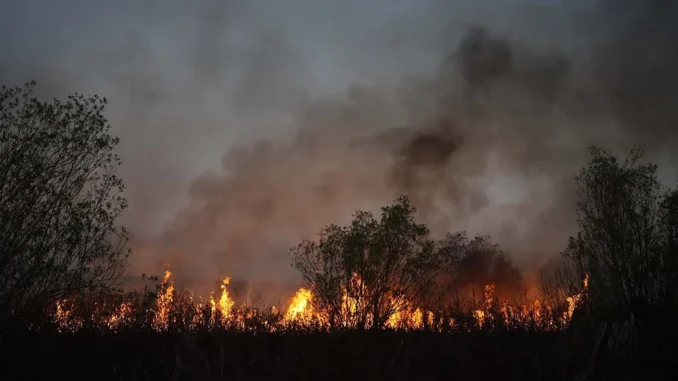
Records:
x=301, y=310
x=301, y=307
x=64, y=319
x=165, y=297
x=119, y=316
x=221, y=311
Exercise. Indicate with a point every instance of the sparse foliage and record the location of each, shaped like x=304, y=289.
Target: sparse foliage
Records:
x=59, y=199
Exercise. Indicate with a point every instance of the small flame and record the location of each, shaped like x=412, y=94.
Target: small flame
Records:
x=120, y=316
x=224, y=307
x=165, y=297
x=301, y=308
x=480, y=317
x=225, y=301
x=573, y=301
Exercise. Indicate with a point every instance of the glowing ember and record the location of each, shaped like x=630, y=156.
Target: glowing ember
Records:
x=119, y=316
x=221, y=311
x=63, y=319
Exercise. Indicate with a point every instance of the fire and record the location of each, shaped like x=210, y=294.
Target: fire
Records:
x=482, y=314
x=301, y=307
x=489, y=294
x=197, y=317
x=223, y=308
x=222, y=312
x=63, y=318
x=120, y=316
x=402, y=319
x=417, y=319
x=225, y=301
x=349, y=304
x=573, y=301
x=165, y=297
x=480, y=317
x=535, y=313
x=537, y=309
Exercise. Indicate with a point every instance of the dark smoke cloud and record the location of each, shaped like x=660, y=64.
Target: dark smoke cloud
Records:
x=263, y=122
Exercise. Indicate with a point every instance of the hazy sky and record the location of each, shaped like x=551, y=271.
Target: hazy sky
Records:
x=188, y=80
x=174, y=70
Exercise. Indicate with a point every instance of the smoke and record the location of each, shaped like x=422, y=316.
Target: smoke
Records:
x=247, y=126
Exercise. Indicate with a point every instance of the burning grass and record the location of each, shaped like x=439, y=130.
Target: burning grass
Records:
x=171, y=310
x=172, y=334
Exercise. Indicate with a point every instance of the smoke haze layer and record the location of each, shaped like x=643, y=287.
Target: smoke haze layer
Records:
x=247, y=126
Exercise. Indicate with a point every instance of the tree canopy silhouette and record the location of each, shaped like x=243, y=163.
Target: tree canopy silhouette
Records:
x=363, y=273
x=59, y=200
x=628, y=232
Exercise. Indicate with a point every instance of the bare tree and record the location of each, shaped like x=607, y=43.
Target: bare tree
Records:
x=626, y=241
x=363, y=273
x=59, y=199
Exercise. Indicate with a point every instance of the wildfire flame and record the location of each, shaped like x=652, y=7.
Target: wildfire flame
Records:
x=63, y=318
x=536, y=312
x=222, y=310
x=165, y=297
x=120, y=316
x=301, y=307
x=573, y=301
x=300, y=310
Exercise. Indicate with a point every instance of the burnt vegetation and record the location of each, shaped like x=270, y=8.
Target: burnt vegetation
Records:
x=382, y=298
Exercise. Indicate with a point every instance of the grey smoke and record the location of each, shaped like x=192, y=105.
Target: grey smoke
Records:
x=248, y=125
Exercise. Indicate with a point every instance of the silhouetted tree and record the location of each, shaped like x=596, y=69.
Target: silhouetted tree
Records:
x=668, y=216
x=363, y=273
x=59, y=199
x=627, y=238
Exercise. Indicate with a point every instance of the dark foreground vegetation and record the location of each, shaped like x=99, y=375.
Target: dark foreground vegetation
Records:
x=59, y=241
x=344, y=355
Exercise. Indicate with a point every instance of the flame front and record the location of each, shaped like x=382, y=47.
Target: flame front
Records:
x=300, y=310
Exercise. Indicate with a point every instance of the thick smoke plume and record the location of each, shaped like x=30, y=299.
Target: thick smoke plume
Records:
x=488, y=141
